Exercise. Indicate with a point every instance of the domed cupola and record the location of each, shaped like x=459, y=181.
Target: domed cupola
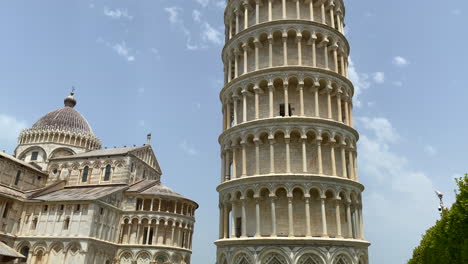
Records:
x=64, y=126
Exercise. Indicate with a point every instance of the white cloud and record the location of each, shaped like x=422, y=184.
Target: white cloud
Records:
x=117, y=13
x=360, y=82
x=400, y=61
x=210, y=34
x=394, y=190
x=203, y=3
x=122, y=50
x=196, y=15
x=430, y=150
x=174, y=14
x=187, y=148
x=11, y=128
x=155, y=52
x=379, y=77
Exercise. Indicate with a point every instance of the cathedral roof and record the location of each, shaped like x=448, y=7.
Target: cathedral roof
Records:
x=81, y=193
x=153, y=187
x=65, y=119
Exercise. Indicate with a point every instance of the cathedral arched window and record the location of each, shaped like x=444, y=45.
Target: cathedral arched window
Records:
x=25, y=252
x=107, y=173
x=84, y=177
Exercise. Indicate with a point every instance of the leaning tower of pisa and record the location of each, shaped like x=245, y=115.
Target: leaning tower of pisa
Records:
x=289, y=191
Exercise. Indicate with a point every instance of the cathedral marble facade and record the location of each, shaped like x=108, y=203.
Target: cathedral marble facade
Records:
x=64, y=199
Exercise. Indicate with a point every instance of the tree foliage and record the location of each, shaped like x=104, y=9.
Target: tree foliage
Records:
x=447, y=241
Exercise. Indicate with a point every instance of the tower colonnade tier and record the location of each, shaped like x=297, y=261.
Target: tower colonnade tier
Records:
x=290, y=190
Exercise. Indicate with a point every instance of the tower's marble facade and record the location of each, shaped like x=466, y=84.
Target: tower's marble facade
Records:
x=63, y=199
x=289, y=191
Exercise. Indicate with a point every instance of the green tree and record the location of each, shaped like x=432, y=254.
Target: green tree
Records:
x=447, y=241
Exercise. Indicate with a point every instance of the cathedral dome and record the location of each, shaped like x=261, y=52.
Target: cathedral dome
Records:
x=65, y=119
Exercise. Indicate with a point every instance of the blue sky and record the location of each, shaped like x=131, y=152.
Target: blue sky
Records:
x=154, y=66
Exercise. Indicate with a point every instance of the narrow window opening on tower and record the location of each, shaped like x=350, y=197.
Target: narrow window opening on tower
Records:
x=5, y=212
x=34, y=155
x=283, y=110
x=66, y=223
x=84, y=178
x=238, y=226
x=107, y=173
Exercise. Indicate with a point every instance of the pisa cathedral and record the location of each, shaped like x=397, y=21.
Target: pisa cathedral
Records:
x=289, y=192
x=64, y=199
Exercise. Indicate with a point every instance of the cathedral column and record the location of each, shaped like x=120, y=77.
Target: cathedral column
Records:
x=257, y=45
x=236, y=12
x=311, y=9
x=244, y=219
x=270, y=50
x=129, y=232
x=227, y=166
x=307, y=213
x=329, y=104
x=273, y=215
x=285, y=48
x=290, y=216
x=288, y=154
x=284, y=9
x=233, y=220
x=343, y=159
x=228, y=107
x=299, y=47
x=338, y=103
x=225, y=221
x=257, y=156
x=148, y=233
x=257, y=12
x=244, y=159
x=322, y=8
x=316, y=99
x=304, y=154
x=245, y=48
x=245, y=4
x=257, y=110
x=319, y=155
x=270, y=98
x=313, y=40
x=298, y=10
x=324, y=217
x=349, y=219
x=270, y=10
x=137, y=239
x=235, y=98
x=272, y=155
x=257, y=217
x=332, y=16
x=244, y=105
x=346, y=107
x=234, y=163
x=301, y=97
x=286, y=99
x=338, y=219
x=332, y=156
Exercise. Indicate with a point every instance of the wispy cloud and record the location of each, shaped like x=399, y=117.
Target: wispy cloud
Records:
x=400, y=61
x=155, y=52
x=456, y=12
x=379, y=77
x=398, y=83
x=430, y=150
x=188, y=148
x=203, y=3
x=210, y=34
x=117, y=13
x=360, y=82
x=122, y=50
x=196, y=15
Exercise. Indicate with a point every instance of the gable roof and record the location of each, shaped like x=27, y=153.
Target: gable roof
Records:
x=117, y=152
x=22, y=163
x=81, y=193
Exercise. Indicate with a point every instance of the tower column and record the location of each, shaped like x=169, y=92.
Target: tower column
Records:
x=273, y=215
x=324, y=217
x=290, y=216
x=307, y=213
x=257, y=217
